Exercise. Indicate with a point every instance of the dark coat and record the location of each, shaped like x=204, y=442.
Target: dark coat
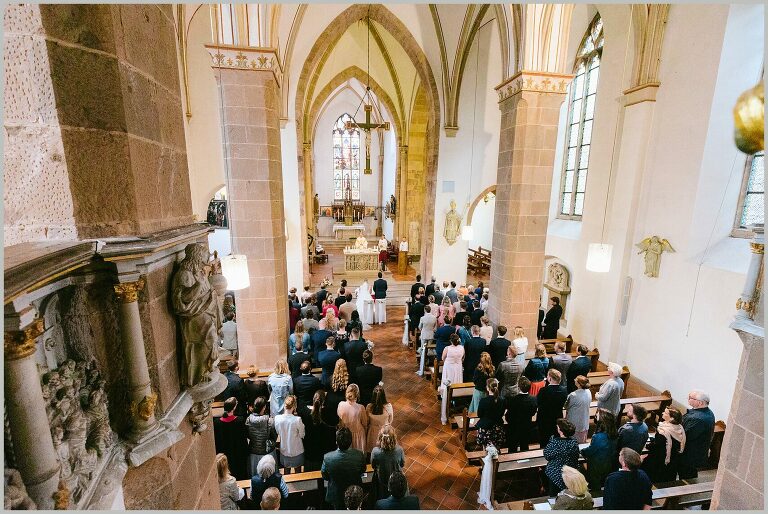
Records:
x=410, y=502
x=699, y=425
x=551, y=399
x=498, y=350
x=353, y=354
x=520, y=411
x=234, y=387
x=320, y=296
x=368, y=376
x=415, y=314
x=475, y=316
x=581, y=365
x=627, y=490
x=230, y=439
x=327, y=360
x=601, y=459
x=342, y=469
x=380, y=288
x=654, y=464
x=415, y=289
x=490, y=412
x=430, y=289
x=295, y=360
x=473, y=349
x=552, y=322
x=255, y=388
x=305, y=387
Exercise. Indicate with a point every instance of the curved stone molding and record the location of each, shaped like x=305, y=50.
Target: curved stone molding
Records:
x=535, y=81
x=246, y=58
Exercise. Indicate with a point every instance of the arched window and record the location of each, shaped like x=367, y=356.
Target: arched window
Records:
x=582, y=93
x=346, y=159
x=751, y=201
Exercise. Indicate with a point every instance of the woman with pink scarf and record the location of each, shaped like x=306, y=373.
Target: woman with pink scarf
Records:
x=661, y=461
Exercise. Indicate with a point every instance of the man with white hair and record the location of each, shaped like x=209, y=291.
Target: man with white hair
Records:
x=699, y=425
x=609, y=395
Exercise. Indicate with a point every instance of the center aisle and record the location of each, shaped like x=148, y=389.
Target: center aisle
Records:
x=435, y=463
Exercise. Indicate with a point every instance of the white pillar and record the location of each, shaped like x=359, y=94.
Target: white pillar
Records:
x=142, y=398
x=32, y=442
x=747, y=303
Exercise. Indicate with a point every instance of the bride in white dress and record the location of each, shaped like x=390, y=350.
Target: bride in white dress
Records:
x=363, y=294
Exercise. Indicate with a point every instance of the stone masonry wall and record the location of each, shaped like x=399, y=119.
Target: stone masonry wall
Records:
x=416, y=174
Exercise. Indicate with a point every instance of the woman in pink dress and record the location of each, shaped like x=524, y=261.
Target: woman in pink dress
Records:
x=453, y=358
x=354, y=417
x=446, y=309
x=380, y=413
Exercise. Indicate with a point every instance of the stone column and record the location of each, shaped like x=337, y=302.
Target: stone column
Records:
x=530, y=108
x=401, y=220
x=35, y=455
x=380, y=224
x=142, y=398
x=739, y=480
x=249, y=88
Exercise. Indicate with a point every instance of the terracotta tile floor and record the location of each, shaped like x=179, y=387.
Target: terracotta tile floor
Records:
x=435, y=463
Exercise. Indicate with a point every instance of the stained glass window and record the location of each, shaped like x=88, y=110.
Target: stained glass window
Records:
x=753, y=190
x=346, y=159
x=582, y=93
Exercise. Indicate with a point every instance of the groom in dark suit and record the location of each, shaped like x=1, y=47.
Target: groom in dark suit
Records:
x=380, y=288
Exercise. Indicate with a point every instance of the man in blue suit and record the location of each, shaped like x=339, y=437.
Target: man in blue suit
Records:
x=398, y=499
x=327, y=360
x=342, y=468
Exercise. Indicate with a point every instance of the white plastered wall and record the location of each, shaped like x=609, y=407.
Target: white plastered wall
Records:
x=676, y=336
x=450, y=261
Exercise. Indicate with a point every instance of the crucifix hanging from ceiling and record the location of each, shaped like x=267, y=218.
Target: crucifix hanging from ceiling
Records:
x=366, y=102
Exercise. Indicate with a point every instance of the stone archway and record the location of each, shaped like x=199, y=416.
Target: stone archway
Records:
x=471, y=211
x=305, y=91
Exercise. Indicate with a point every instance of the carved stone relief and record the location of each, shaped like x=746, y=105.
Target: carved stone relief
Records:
x=558, y=283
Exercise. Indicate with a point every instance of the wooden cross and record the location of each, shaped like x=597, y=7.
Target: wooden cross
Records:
x=367, y=126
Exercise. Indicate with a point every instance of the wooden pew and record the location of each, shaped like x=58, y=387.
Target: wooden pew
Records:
x=305, y=481
x=549, y=344
x=683, y=494
x=655, y=405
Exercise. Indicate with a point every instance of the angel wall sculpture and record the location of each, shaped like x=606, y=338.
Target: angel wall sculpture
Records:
x=653, y=247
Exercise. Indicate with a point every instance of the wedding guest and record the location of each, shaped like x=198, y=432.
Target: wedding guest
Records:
x=270, y=500
x=443, y=336
x=486, y=330
x=280, y=386
x=380, y=413
x=229, y=492
x=230, y=438
x=609, y=395
x=327, y=360
x=509, y=373
x=299, y=335
x=453, y=358
x=629, y=488
x=295, y=360
x=551, y=323
x=341, y=468
x=665, y=449
x=520, y=411
x=498, y=346
x=354, y=416
x=305, y=386
x=490, y=425
x=483, y=372
x=337, y=391
x=581, y=365
x=353, y=497
x=550, y=400
x=446, y=312
x=561, y=450
x=634, y=433
x=576, y=495
x=267, y=476
x=319, y=436
x=601, y=452
x=577, y=408
x=699, y=426
x=521, y=343
x=228, y=335
x=261, y=434
x=473, y=348
x=345, y=311
x=536, y=369
x=386, y=457
x=341, y=335
x=560, y=361
x=290, y=430
x=368, y=376
x=398, y=499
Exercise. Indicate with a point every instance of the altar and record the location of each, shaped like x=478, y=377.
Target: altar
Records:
x=360, y=258
x=344, y=231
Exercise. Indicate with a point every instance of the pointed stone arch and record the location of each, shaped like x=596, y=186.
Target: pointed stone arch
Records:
x=307, y=83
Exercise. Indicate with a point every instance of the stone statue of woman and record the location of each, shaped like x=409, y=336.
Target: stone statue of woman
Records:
x=195, y=303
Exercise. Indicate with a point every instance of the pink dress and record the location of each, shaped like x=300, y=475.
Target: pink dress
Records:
x=443, y=312
x=453, y=368
x=375, y=422
x=354, y=417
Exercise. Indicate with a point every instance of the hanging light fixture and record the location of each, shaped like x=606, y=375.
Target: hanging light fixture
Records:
x=599, y=254
x=233, y=267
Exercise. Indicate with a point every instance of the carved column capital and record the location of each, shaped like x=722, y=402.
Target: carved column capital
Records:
x=145, y=408
x=128, y=292
x=758, y=248
x=21, y=343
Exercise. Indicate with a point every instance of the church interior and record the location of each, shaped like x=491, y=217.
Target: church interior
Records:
x=173, y=173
